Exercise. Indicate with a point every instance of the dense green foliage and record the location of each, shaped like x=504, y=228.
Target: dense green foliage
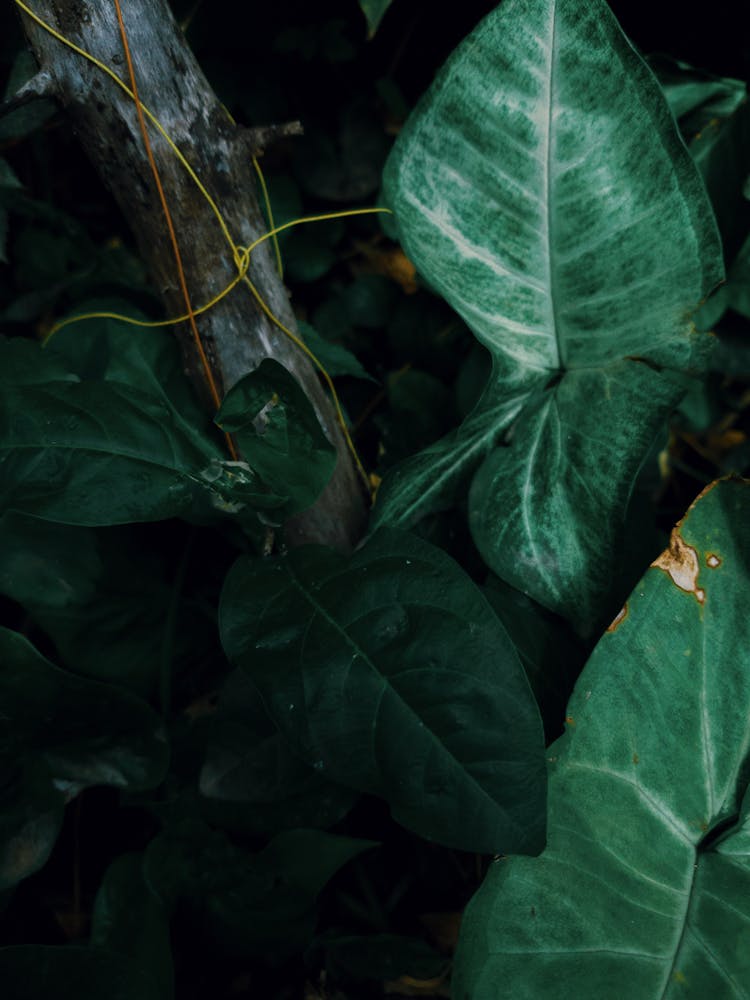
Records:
x=229, y=769
x=645, y=881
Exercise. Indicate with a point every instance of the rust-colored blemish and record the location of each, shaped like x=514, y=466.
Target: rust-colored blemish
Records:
x=679, y=977
x=636, y=759
x=713, y=561
x=621, y=615
x=570, y=720
x=681, y=564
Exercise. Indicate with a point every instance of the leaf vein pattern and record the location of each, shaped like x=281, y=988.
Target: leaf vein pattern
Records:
x=574, y=952
x=549, y=217
x=745, y=917
x=526, y=494
x=469, y=249
x=709, y=763
x=601, y=846
x=341, y=631
x=587, y=873
x=652, y=801
x=737, y=989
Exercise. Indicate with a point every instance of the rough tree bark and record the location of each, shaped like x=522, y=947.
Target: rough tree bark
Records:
x=236, y=334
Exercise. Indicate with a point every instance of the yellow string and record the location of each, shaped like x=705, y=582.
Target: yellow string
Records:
x=266, y=199
x=269, y=214
x=244, y=259
x=241, y=255
x=151, y=117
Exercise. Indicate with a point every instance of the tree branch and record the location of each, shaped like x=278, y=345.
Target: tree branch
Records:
x=40, y=85
x=236, y=334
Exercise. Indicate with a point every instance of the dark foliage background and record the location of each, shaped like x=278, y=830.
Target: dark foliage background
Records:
x=392, y=909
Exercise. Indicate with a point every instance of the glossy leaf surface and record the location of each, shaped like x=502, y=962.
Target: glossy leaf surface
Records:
x=643, y=891
x=389, y=673
x=542, y=188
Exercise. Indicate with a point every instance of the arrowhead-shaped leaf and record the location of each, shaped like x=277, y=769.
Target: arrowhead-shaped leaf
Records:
x=643, y=892
x=542, y=188
x=389, y=673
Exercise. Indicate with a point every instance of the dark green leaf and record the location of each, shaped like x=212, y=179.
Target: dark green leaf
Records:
x=695, y=97
x=549, y=652
x=347, y=165
x=27, y=119
x=45, y=972
x=420, y=410
x=129, y=919
x=722, y=154
x=103, y=596
x=87, y=733
x=31, y=813
x=3, y=236
x=278, y=433
x=62, y=733
x=8, y=179
x=369, y=300
x=645, y=882
x=252, y=777
x=260, y=904
x=90, y=453
x=389, y=673
x=335, y=358
x=106, y=350
x=100, y=452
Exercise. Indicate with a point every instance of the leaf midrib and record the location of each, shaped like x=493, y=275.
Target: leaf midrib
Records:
x=551, y=269
x=340, y=630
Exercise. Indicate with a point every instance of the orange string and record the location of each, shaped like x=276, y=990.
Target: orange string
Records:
x=170, y=226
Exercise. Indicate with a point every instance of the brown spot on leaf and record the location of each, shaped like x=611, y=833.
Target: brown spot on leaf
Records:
x=570, y=720
x=680, y=563
x=713, y=561
x=636, y=759
x=621, y=615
